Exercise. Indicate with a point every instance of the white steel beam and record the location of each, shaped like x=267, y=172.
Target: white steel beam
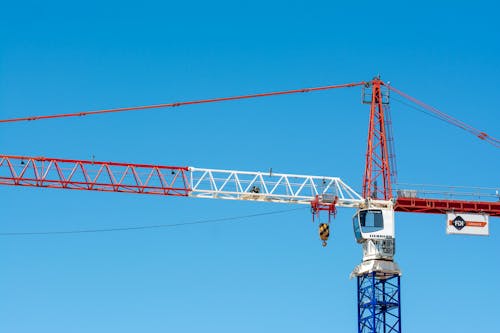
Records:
x=270, y=186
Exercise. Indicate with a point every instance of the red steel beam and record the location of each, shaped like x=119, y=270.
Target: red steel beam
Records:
x=94, y=175
x=440, y=206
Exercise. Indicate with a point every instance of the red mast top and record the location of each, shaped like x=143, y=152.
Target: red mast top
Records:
x=377, y=177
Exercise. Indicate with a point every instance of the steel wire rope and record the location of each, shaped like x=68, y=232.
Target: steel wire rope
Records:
x=429, y=110
x=170, y=105
x=416, y=108
x=492, y=141
x=145, y=227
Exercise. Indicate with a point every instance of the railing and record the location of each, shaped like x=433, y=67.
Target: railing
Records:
x=447, y=192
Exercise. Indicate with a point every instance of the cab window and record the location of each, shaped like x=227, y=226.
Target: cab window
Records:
x=355, y=225
x=371, y=220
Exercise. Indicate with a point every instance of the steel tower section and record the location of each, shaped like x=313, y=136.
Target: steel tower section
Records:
x=379, y=307
x=377, y=177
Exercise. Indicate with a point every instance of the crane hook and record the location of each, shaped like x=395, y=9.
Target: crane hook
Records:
x=324, y=232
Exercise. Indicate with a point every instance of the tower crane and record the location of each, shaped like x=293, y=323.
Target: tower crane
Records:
x=378, y=275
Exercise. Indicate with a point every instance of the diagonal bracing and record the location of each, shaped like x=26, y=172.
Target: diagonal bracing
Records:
x=271, y=187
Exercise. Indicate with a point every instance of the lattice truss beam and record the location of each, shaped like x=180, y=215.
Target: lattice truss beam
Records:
x=174, y=181
x=94, y=175
x=273, y=187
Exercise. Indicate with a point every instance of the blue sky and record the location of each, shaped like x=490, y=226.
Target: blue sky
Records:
x=266, y=274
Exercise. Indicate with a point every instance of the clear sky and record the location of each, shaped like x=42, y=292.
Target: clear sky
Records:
x=265, y=274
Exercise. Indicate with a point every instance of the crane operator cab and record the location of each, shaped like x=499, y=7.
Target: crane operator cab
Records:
x=374, y=229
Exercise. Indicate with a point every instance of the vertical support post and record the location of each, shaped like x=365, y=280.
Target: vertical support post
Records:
x=373, y=304
x=399, y=304
x=358, y=282
x=379, y=309
x=384, y=317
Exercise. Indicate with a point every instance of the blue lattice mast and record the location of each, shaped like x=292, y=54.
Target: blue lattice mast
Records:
x=379, y=307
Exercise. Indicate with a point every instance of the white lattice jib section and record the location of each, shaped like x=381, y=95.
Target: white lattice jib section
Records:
x=269, y=186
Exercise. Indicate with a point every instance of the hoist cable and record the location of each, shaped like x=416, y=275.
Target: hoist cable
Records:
x=145, y=227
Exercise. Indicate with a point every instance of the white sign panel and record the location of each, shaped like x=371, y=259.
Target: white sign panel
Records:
x=467, y=224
